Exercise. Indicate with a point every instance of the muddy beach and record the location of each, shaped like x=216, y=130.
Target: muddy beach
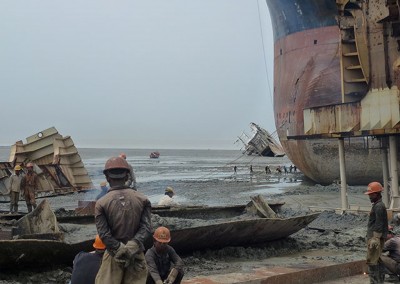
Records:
x=330, y=238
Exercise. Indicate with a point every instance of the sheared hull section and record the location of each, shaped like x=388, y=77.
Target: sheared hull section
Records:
x=307, y=74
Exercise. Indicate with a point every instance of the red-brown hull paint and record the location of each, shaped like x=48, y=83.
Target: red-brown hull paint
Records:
x=307, y=74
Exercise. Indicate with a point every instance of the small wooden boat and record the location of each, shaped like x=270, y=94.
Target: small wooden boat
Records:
x=227, y=228
x=154, y=155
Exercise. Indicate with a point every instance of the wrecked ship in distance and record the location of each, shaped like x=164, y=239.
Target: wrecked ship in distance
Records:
x=260, y=142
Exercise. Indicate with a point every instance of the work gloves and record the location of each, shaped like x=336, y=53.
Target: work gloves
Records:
x=171, y=276
x=125, y=253
x=375, y=241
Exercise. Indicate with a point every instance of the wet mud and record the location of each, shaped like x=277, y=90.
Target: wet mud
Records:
x=331, y=237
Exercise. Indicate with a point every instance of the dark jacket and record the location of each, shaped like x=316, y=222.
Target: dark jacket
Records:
x=378, y=221
x=393, y=247
x=122, y=215
x=86, y=266
x=159, y=265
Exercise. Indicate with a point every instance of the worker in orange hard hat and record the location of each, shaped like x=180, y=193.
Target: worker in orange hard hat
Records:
x=377, y=231
x=15, y=188
x=29, y=186
x=87, y=264
x=164, y=264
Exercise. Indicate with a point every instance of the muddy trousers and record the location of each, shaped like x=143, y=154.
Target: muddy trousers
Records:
x=113, y=272
x=30, y=199
x=376, y=273
x=14, y=198
x=392, y=265
x=376, y=269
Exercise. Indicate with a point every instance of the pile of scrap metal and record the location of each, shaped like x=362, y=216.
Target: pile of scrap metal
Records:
x=261, y=142
x=56, y=161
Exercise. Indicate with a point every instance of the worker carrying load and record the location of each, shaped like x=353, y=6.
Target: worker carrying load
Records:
x=164, y=264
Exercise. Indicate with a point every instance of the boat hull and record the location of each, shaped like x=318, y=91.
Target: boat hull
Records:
x=306, y=75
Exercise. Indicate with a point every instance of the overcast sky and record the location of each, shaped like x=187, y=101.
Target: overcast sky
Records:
x=136, y=74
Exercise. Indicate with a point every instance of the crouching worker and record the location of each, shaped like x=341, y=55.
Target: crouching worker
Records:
x=165, y=266
x=87, y=264
x=392, y=246
x=123, y=221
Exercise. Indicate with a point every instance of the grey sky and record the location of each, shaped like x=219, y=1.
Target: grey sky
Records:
x=136, y=74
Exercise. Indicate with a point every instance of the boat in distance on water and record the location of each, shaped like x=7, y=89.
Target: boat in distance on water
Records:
x=154, y=155
x=336, y=76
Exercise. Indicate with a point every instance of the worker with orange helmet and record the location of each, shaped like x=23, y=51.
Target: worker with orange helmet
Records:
x=123, y=222
x=164, y=264
x=15, y=189
x=29, y=186
x=87, y=264
x=377, y=231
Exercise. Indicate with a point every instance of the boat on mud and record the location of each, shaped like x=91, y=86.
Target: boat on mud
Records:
x=336, y=76
x=56, y=161
x=260, y=143
x=42, y=237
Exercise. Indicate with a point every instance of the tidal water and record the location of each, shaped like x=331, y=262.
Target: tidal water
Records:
x=183, y=166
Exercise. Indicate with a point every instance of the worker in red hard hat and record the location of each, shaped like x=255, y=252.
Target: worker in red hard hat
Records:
x=123, y=222
x=87, y=264
x=15, y=188
x=131, y=180
x=29, y=185
x=164, y=264
x=377, y=231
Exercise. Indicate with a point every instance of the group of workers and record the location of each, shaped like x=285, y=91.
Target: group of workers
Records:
x=123, y=223
x=23, y=185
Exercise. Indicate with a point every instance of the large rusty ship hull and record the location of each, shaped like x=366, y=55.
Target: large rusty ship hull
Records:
x=307, y=74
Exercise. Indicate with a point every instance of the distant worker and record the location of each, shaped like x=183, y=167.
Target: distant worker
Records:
x=279, y=169
x=131, y=181
x=87, y=264
x=392, y=246
x=103, y=188
x=291, y=168
x=251, y=169
x=123, y=222
x=285, y=169
x=376, y=233
x=267, y=169
x=167, y=199
x=235, y=169
x=165, y=266
x=15, y=188
x=29, y=185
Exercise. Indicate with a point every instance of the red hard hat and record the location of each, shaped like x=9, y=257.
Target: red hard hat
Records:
x=162, y=235
x=116, y=163
x=374, y=187
x=29, y=165
x=98, y=243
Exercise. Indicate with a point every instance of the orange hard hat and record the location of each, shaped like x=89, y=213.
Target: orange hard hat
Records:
x=374, y=187
x=116, y=163
x=123, y=155
x=98, y=243
x=162, y=235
